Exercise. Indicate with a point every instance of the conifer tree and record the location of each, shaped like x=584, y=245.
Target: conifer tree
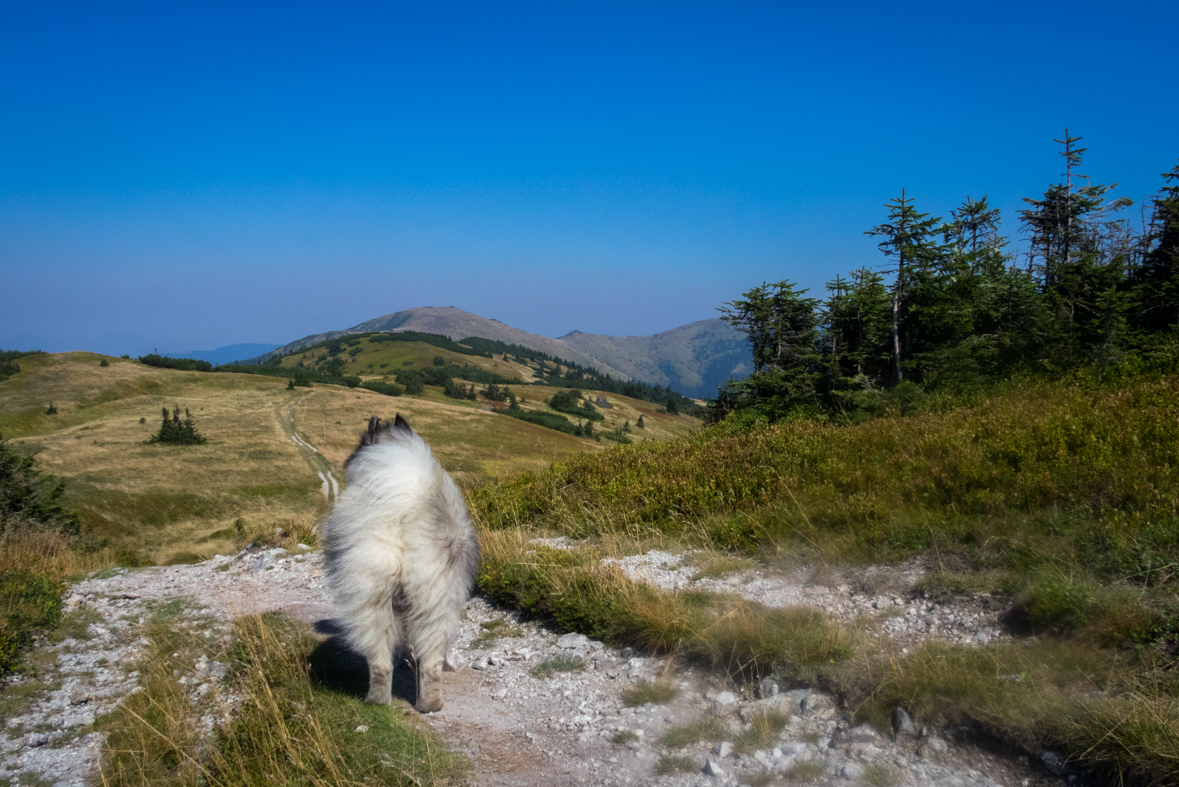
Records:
x=1157, y=280
x=175, y=431
x=908, y=238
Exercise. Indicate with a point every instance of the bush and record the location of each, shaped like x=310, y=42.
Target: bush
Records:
x=174, y=431
x=388, y=389
x=104, y=362
x=181, y=364
x=494, y=393
x=571, y=402
x=548, y=420
x=25, y=495
x=28, y=603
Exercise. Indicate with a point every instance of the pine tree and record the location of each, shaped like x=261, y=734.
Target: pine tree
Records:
x=908, y=237
x=175, y=431
x=1157, y=280
x=1078, y=255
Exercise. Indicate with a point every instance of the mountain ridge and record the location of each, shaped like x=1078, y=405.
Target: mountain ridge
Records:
x=692, y=359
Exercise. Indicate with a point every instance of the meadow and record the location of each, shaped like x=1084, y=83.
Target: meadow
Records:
x=1057, y=497
x=155, y=504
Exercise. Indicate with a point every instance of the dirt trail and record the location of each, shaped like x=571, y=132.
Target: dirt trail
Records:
x=520, y=727
x=329, y=486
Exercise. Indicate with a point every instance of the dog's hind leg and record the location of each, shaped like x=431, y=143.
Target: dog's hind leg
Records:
x=429, y=638
x=376, y=636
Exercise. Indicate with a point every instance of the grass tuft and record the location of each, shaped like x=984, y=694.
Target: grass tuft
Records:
x=707, y=728
x=289, y=728
x=546, y=669
x=806, y=772
x=657, y=693
x=764, y=729
x=671, y=765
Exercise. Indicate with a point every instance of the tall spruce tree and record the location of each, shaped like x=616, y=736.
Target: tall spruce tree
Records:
x=782, y=327
x=1157, y=279
x=908, y=238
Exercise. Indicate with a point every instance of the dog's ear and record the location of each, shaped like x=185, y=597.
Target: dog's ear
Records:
x=401, y=423
x=374, y=428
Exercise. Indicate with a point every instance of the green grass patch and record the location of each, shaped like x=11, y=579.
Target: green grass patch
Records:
x=879, y=776
x=624, y=737
x=806, y=772
x=712, y=565
x=764, y=729
x=573, y=589
x=669, y=765
x=1045, y=694
x=75, y=624
x=708, y=728
x=494, y=630
x=29, y=604
x=546, y=669
x=290, y=728
x=657, y=693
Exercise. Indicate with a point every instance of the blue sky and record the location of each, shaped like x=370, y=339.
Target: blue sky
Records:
x=186, y=176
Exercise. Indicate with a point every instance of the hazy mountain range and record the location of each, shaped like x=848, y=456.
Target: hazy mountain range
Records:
x=692, y=359
x=226, y=354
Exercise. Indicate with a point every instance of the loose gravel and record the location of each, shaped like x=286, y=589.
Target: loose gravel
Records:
x=529, y=705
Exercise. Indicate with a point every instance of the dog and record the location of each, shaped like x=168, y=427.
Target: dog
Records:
x=401, y=557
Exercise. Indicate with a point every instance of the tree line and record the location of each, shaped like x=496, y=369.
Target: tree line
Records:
x=952, y=307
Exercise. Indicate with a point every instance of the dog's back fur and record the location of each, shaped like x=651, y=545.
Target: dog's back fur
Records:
x=401, y=557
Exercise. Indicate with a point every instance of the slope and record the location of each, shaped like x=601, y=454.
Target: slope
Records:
x=693, y=359
x=457, y=324
x=162, y=501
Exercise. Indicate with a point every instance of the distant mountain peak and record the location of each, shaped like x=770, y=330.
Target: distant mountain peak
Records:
x=692, y=359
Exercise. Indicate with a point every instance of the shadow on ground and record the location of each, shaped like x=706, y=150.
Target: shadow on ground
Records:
x=337, y=667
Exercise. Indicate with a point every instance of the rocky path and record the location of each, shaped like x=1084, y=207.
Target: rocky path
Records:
x=529, y=705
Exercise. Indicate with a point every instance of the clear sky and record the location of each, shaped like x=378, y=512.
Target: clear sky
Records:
x=190, y=175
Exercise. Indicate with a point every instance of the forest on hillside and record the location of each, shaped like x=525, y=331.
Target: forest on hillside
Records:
x=953, y=307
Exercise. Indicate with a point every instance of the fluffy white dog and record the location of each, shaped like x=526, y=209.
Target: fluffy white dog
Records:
x=401, y=558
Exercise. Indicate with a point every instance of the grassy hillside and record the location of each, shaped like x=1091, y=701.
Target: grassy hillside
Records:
x=1057, y=497
x=457, y=324
x=165, y=502
x=693, y=359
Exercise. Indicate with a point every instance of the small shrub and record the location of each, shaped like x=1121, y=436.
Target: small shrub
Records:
x=624, y=737
x=51, y=410
x=104, y=362
x=1059, y=604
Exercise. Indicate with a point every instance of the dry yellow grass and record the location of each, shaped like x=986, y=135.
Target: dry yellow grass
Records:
x=161, y=501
